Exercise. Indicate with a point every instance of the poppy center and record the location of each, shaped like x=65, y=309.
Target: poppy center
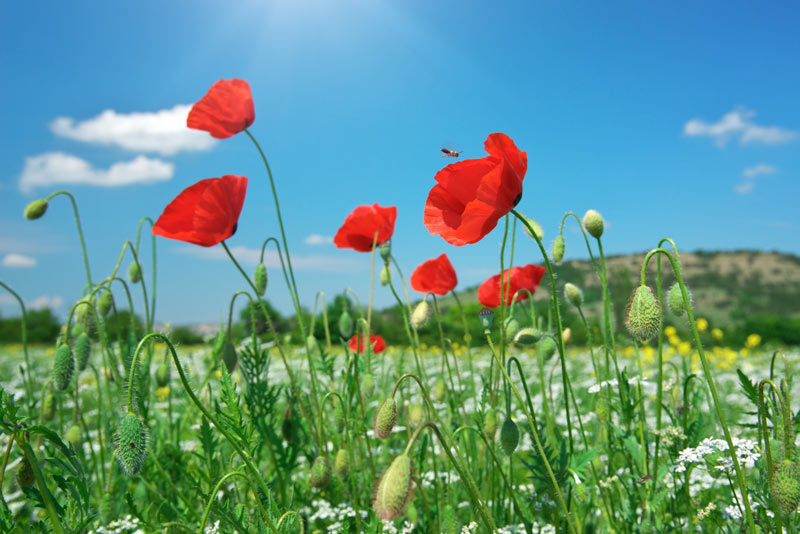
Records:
x=236, y=225
x=517, y=199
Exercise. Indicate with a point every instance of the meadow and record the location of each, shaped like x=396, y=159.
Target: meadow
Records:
x=502, y=420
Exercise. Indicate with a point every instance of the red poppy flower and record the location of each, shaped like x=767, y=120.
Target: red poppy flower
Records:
x=358, y=230
x=435, y=276
x=204, y=213
x=472, y=195
x=225, y=110
x=516, y=278
x=376, y=342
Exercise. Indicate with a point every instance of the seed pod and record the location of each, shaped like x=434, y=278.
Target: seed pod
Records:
x=367, y=385
x=420, y=315
x=439, y=390
x=394, y=489
x=25, y=477
x=260, y=279
x=74, y=437
x=415, y=414
x=559, y=248
x=131, y=444
x=48, y=408
x=574, y=294
x=490, y=423
x=162, y=374
x=547, y=346
x=320, y=473
x=644, y=314
x=341, y=466
x=104, y=303
x=786, y=486
x=345, y=325
x=527, y=337
x=512, y=327
x=63, y=367
x=450, y=521
x=83, y=346
x=134, y=273
x=385, y=419
x=35, y=209
x=675, y=299
x=594, y=224
x=385, y=276
x=385, y=251
x=509, y=436
x=229, y=357
x=486, y=316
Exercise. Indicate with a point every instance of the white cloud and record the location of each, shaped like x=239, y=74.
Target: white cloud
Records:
x=46, y=302
x=164, y=131
x=318, y=239
x=744, y=187
x=52, y=168
x=761, y=168
x=251, y=256
x=737, y=124
x=18, y=260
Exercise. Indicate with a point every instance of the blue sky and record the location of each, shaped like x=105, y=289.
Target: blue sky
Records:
x=671, y=119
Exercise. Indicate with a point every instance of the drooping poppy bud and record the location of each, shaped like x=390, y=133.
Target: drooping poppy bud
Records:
x=131, y=441
x=367, y=385
x=134, y=273
x=321, y=473
x=386, y=418
x=415, y=414
x=537, y=228
x=675, y=299
x=644, y=314
x=260, y=279
x=420, y=315
x=385, y=276
x=439, y=390
x=35, y=209
x=162, y=374
x=74, y=437
x=229, y=357
x=394, y=489
x=574, y=294
x=512, y=327
x=490, y=423
x=25, y=477
x=385, y=251
x=547, y=346
x=559, y=248
x=63, y=367
x=509, y=436
x=48, y=408
x=341, y=465
x=527, y=337
x=786, y=486
x=83, y=348
x=345, y=325
x=105, y=302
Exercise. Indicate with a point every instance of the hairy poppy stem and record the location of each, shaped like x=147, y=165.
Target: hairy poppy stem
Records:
x=80, y=230
x=24, y=325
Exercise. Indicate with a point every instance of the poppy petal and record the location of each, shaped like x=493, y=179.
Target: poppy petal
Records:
x=435, y=276
x=360, y=226
x=527, y=277
x=225, y=110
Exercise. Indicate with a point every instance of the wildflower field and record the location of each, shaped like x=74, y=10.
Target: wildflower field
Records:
x=504, y=422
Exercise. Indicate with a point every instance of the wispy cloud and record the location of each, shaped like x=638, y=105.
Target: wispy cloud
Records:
x=744, y=188
x=51, y=168
x=318, y=239
x=163, y=131
x=738, y=124
x=251, y=256
x=756, y=170
x=38, y=303
x=18, y=261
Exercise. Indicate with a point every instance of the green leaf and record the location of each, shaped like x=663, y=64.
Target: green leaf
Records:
x=750, y=390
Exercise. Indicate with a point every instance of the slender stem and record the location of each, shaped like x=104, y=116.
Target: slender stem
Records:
x=213, y=494
x=24, y=325
x=80, y=230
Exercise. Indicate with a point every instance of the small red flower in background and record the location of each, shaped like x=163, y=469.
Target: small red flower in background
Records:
x=376, y=342
x=225, y=110
x=435, y=276
x=516, y=278
x=205, y=213
x=472, y=195
x=358, y=230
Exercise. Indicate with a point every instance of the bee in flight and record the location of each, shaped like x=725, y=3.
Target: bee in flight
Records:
x=450, y=153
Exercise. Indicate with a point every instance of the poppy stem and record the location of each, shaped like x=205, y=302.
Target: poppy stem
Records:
x=80, y=230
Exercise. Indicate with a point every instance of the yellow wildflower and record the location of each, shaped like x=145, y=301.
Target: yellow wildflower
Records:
x=684, y=347
x=674, y=340
x=752, y=341
x=670, y=331
x=716, y=333
x=162, y=393
x=702, y=324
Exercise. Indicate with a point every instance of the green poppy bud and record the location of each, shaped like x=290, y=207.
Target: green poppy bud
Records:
x=675, y=299
x=547, y=345
x=35, y=209
x=367, y=385
x=162, y=374
x=83, y=348
x=385, y=276
x=260, y=279
x=601, y=408
x=385, y=419
x=512, y=327
x=134, y=273
x=341, y=465
x=509, y=436
x=394, y=489
x=415, y=414
x=48, y=408
x=105, y=302
x=537, y=228
x=644, y=314
x=574, y=294
x=229, y=356
x=345, y=325
x=786, y=486
x=131, y=441
x=321, y=473
x=339, y=417
x=594, y=224
x=527, y=337
x=63, y=367
x=420, y=315
x=559, y=248
x=25, y=476
x=439, y=390
x=490, y=423
x=74, y=437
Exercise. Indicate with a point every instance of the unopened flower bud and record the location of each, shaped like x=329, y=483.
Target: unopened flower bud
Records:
x=439, y=390
x=394, y=489
x=786, y=486
x=260, y=279
x=35, y=209
x=229, y=357
x=574, y=294
x=415, y=414
x=341, y=465
x=345, y=325
x=420, y=315
x=527, y=337
x=386, y=418
x=509, y=436
x=320, y=473
x=385, y=276
x=83, y=347
x=367, y=385
x=162, y=375
x=559, y=248
x=74, y=437
x=48, y=408
x=537, y=228
x=594, y=224
x=644, y=314
x=490, y=423
x=63, y=367
x=675, y=299
x=566, y=335
x=105, y=302
x=134, y=273
x=25, y=476
x=131, y=444
x=547, y=346
x=511, y=327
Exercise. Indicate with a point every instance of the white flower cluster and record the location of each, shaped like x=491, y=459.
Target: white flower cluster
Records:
x=614, y=383
x=389, y=528
x=702, y=513
x=213, y=529
x=126, y=525
x=322, y=510
x=746, y=452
